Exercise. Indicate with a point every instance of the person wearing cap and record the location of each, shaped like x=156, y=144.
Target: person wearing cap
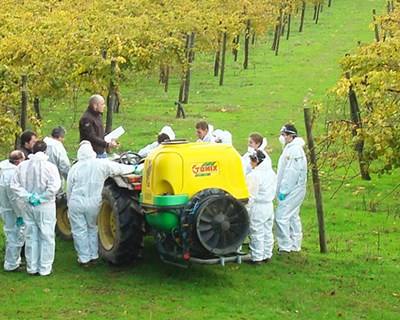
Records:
x=165, y=134
x=204, y=132
x=261, y=182
x=291, y=190
x=56, y=151
x=255, y=142
x=84, y=187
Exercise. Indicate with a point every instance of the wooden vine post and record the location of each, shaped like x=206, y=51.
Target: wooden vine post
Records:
x=316, y=181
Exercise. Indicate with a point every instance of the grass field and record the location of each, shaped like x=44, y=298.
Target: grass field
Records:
x=358, y=279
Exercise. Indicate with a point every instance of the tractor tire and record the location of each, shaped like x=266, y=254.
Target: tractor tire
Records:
x=221, y=223
x=121, y=226
x=63, y=226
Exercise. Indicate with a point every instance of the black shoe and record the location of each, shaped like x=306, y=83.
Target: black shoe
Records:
x=254, y=263
x=17, y=269
x=84, y=265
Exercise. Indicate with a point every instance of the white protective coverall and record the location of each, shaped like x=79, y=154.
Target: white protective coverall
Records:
x=222, y=136
x=58, y=156
x=37, y=175
x=209, y=136
x=9, y=214
x=292, y=180
x=84, y=194
x=150, y=147
x=261, y=182
x=246, y=157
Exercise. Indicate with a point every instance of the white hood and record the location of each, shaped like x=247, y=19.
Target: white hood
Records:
x=6, y=165
x=223, y=136
x=169, y=132
x=266, y=165
x=38, y=156
x=85, y=151
x=51, y=142
x=218, y=133
x=296, y=142
x=263, y=144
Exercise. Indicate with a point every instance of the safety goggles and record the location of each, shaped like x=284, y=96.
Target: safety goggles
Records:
x=286, y=130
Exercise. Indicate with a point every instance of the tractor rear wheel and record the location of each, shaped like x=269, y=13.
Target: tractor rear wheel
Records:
x=63, y=227
x=121, y=226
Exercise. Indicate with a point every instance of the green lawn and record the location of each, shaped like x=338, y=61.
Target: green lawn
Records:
x=358, y=279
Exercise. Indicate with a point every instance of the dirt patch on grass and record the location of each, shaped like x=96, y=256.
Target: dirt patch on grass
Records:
x=225, y=108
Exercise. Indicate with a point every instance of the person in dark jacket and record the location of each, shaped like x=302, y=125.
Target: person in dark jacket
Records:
x=91, y=126
x=28, y=139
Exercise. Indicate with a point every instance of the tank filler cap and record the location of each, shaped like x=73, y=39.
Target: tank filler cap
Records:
x=176, y=141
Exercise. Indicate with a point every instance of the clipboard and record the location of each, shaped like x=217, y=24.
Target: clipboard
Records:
x=115, y=134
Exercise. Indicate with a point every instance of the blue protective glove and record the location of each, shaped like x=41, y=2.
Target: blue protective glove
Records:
x=34, y=199
x=281, y=196
x=20, y=222
x=31, y=197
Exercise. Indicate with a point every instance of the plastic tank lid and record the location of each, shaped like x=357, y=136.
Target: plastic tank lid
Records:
x=176, y=141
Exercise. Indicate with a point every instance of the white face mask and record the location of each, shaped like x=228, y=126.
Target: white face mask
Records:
x=282, y=140
x=251, y=150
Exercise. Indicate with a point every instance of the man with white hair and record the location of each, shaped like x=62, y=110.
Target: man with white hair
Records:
x=91, y=126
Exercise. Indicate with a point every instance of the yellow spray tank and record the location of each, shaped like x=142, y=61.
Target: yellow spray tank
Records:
x=188, y=168
x=193, y=195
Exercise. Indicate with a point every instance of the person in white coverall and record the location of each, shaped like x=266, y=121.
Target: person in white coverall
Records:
x=84, y=195
x=56, y=151
x=291, y=190
x=204, y=132
x=165, y=134
x=256, y=142
x=222, y=136
x=261, y=182
x=35, y=184
x=9, y=212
